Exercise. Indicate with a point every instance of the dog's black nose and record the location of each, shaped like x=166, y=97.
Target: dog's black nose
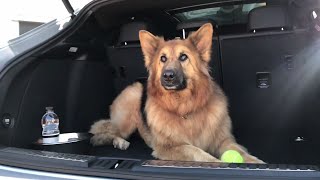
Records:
x=169, y=75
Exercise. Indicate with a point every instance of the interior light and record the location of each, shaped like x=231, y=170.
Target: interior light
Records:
x=314, y=14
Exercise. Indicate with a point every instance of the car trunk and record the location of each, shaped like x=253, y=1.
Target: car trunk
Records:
x=81, y=75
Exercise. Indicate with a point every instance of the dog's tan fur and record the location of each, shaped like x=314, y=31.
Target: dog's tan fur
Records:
x=192, y=124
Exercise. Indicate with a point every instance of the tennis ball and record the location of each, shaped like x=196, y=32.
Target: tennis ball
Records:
x=231, y=156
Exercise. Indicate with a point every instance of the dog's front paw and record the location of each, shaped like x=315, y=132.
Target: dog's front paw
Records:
x=253, y=160
x=120, y=143
x=256, y=161
x=100, y=139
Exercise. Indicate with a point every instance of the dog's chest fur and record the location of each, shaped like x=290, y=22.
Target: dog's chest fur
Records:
x=198, y=128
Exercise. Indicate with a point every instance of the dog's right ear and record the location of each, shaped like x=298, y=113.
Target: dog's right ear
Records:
x=149, y=44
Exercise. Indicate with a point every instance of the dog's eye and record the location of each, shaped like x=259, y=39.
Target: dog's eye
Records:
x=163, y=58
x=183, y=57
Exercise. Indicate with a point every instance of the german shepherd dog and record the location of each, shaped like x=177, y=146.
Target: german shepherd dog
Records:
x=186, y=111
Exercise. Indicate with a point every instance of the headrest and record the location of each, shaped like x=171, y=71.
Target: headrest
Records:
x=269, y=17
x=130, y=32
x=193, y=25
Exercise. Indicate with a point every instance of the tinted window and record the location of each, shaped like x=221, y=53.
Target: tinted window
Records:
x=224, y=15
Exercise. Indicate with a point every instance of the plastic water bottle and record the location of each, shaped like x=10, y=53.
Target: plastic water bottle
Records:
x=50, y=123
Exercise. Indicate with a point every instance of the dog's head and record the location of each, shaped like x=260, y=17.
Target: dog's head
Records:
x=174, y=65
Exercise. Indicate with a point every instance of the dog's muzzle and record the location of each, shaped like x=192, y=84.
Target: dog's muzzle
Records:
x=173, y=80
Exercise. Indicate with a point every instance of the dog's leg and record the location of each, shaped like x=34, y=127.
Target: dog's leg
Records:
x=230, y=144
x=124, y=119
x=224, y=141
x=103, y=132
x=183, y=153
x=106, y=133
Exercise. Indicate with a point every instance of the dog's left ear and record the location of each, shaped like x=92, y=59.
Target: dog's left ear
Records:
x=202, y=39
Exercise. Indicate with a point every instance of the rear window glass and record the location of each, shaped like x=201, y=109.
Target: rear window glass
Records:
x=224, y=15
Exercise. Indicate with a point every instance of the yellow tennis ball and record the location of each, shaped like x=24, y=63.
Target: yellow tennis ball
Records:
x=231, y=156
